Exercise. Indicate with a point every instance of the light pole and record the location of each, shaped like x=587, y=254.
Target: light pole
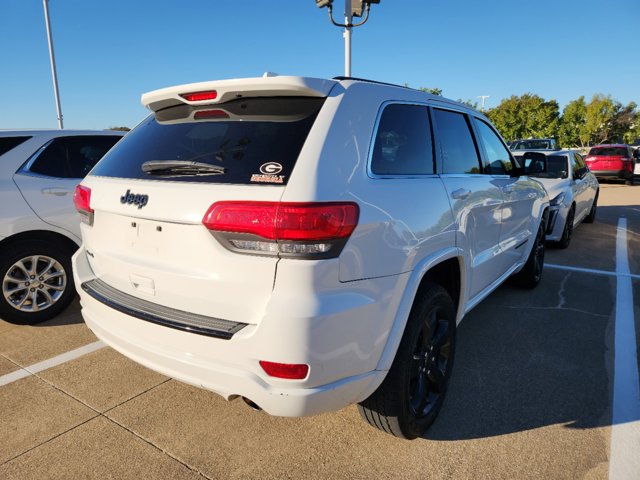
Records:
x=483, y=97
x=53, y=63
x=352, y=8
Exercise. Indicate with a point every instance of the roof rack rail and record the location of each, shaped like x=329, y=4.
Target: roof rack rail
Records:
x=370, y=81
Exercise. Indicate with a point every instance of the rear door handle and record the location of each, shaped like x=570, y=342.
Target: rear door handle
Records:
x=59, y=192
x=460, y=194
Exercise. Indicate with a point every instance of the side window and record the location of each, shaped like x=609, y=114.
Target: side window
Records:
x=72, y=157
x=9, y=143
x=455, y=141
x=403, y=142
x=498, y=161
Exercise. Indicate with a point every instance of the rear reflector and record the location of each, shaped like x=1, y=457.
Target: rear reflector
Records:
x=200, y=96
x=82, y=201
x=311, y=230
x=295, y=371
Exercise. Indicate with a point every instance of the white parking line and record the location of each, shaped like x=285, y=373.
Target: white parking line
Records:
x=624, y=462
x=51, y=362
x=591, y=270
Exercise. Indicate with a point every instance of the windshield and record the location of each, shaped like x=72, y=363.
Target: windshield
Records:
x=246, y=141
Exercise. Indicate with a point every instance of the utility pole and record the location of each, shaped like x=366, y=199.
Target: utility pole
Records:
x=483, y=97
x=348, y=16
x=352, y=8
x=53, y=63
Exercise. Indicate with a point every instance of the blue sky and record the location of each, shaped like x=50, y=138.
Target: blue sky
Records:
x=110, y=52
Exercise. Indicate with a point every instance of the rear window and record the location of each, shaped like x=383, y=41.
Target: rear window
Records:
x=246, y=141
x=533, y=145
x=609, y=151
x=9, y=143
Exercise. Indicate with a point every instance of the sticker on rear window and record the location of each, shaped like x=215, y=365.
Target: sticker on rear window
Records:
x=262, y=178
x=270, y=168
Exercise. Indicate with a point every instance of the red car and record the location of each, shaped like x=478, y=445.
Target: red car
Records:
x=611, y=161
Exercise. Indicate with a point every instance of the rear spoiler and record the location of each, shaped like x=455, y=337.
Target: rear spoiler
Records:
x=220, y=91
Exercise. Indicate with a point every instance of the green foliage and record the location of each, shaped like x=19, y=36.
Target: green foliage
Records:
x=468, y=103
x=432, y=91
x=526, y=116
x=607, y=120
x=572, y=132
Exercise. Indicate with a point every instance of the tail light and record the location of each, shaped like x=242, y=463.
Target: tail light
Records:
x=298, y=230
x=289, y=371
x=82, y=201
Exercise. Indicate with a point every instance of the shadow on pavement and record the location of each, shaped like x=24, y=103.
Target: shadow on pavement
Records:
x=522, y=363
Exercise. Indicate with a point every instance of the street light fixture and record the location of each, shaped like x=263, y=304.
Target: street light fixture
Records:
x=352, y=8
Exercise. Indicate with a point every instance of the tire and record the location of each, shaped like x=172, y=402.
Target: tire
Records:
x=410, y=397
x=630, y=181
x=35, y=273
x=567, y=233
x=592, y=213
x=531, y=273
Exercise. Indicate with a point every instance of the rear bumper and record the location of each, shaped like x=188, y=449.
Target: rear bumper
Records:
x=612, y=174
x=230, y=367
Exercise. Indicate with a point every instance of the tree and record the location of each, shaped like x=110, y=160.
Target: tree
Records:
x=526, y=116
x=120, y=129
x=432, y=91
x=468, y=103
x=572, y=132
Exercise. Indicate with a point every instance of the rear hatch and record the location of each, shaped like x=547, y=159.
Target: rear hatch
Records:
x=609, y=158
x=149, y=196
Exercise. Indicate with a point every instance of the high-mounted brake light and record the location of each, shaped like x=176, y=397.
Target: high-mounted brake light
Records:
x=289, y=371
x=302, y=230
x=82, y=201
x=210, y=114
x=200, y=96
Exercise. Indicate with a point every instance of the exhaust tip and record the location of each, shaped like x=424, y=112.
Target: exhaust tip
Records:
x=251, y=404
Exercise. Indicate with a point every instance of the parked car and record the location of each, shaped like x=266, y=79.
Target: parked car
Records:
x=534, y=144
x=295, y=242
x=613, y=161
x=636, y=158
x=573, y=191
x=39, y=227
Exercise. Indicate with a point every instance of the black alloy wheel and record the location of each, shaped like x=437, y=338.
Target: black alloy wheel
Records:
x=567, y=232
x=430, y=363
x=408, y=400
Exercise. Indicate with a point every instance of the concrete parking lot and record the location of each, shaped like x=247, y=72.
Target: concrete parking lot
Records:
x=531, y=396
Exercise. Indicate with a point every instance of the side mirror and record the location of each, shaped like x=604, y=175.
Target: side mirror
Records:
x=535, y=163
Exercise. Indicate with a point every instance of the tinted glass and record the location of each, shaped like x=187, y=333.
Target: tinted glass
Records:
x=609, y=151
x=455, y=141
x=579, y=160
x=533, y=145
x=9, y=143
x=72, y=157
x=247, y=141
x=557, y=167
x=498, y=157
x=403, y=142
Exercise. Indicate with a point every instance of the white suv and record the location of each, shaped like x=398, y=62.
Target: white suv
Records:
x=39, y=227
x=304, y=243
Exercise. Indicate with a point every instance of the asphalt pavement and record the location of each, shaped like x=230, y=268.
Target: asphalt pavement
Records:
x=531, y=395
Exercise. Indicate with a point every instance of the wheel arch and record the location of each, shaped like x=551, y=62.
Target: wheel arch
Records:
x=39, y=235
x=447, y=268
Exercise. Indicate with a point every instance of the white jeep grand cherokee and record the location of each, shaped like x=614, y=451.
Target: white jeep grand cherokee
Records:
x=304, y=243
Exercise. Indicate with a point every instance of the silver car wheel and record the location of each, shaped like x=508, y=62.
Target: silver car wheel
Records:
x=34, y=283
